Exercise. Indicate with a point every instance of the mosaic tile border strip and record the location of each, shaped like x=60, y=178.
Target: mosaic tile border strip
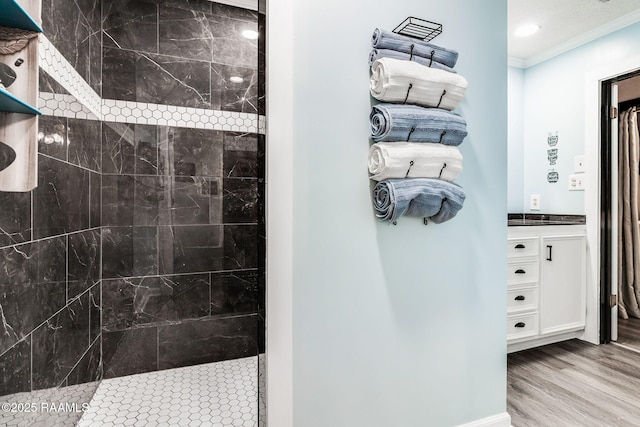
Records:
x=85, y=103
x=170, y=115
x=54, y=64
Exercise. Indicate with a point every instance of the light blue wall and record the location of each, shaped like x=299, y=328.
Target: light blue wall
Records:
x=395, y=325
x=515, y=104
x=554, y=101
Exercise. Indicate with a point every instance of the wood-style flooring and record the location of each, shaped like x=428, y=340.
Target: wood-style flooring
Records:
x=629, y=333
x=574, y=384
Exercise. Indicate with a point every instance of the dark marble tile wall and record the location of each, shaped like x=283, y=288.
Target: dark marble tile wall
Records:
x=74, y=28
x=180, y=52
x=180, y=228
x=50, y=238
x=179, y=246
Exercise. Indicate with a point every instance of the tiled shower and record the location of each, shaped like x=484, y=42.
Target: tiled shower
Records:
x=142, y=249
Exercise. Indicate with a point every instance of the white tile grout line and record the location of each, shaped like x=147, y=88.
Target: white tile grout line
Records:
x=84, y=103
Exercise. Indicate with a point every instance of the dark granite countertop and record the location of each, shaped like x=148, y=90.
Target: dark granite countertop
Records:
x=544, y=219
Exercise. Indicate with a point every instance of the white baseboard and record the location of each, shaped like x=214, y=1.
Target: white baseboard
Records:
x=499, y=420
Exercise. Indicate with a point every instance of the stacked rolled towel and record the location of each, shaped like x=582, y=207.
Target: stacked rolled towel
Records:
x=383, y=39
x=395, y=80
x=389, y=53
x=430, y=198
x=414, y=160
x=396, y=122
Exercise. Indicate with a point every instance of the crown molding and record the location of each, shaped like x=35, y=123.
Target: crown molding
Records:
x=515, y=62
x=596, y=33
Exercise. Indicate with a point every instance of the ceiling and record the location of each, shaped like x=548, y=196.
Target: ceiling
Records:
x=565, y=24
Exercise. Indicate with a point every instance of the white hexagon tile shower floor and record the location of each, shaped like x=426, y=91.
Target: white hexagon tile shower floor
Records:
x=215, y=394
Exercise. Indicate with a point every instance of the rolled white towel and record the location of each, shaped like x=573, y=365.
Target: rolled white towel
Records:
x=414, y=160
x=395, y=80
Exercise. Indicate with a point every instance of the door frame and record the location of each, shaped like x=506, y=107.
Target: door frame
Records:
x=597, y=198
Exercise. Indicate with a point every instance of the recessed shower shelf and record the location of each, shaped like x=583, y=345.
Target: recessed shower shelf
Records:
x=11, y=104
x=14, y=16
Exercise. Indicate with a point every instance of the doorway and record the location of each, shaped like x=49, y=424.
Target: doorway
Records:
x=618, y=94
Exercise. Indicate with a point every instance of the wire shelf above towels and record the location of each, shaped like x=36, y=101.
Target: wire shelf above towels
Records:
x=419, y=29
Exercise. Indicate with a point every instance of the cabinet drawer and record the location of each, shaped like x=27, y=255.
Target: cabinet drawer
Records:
x=522, y=272
x=527, y=247
x=522, y=326
x=522, y=299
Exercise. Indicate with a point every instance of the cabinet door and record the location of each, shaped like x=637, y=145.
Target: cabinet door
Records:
x=562, y=285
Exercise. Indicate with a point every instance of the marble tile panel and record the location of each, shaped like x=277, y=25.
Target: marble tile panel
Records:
x=172, y=81
x=191, y=152
x=89, y=368
x=184, y=33
x=95, y=199
x=83, y=262
x=59, y=343
x=84, y=142
x=95, y=311
x=205, y=341
x=52, y=136
x=152, y=200
x=129, y=251
x=146, y=149
x=131, y=24
x=192, y=201
x=69, y=31
x=229, y=46
x=15, y=368
x=15, y=302
x=118, y=148
x=191, y=249
x=95, y=63
x=146, y=301
x=240, y=200
x=240, y=155
x=227, y=95
x=15, y=218
x=48, y=84
x=129, y=352
x=61, y=201
x=118, y=74
x=118, y=199
x=240, y=247
x=234, y=293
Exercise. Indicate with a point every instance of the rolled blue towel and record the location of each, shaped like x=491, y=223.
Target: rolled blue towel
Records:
x=383, y=39
x=420, y=197
x=388, y=53
x=403, y=122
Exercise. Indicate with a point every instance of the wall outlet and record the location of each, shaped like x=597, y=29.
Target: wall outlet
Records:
x=534, y=204
x=576, y=182
x=578, y=164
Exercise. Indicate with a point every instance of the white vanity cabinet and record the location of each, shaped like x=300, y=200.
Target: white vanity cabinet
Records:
x=546, y=284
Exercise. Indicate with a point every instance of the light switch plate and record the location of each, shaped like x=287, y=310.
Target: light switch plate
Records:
x=578, y=164
x=534, y=204
x=576, y=182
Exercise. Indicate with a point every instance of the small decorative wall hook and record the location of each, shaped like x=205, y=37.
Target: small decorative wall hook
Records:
x=410, y=165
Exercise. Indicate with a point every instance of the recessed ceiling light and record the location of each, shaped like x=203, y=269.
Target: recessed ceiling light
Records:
x=526, y=30
x=250, y=34
x=236, y=79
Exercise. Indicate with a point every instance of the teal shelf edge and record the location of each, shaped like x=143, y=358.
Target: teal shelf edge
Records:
x=14, y=16
x=11, y=104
